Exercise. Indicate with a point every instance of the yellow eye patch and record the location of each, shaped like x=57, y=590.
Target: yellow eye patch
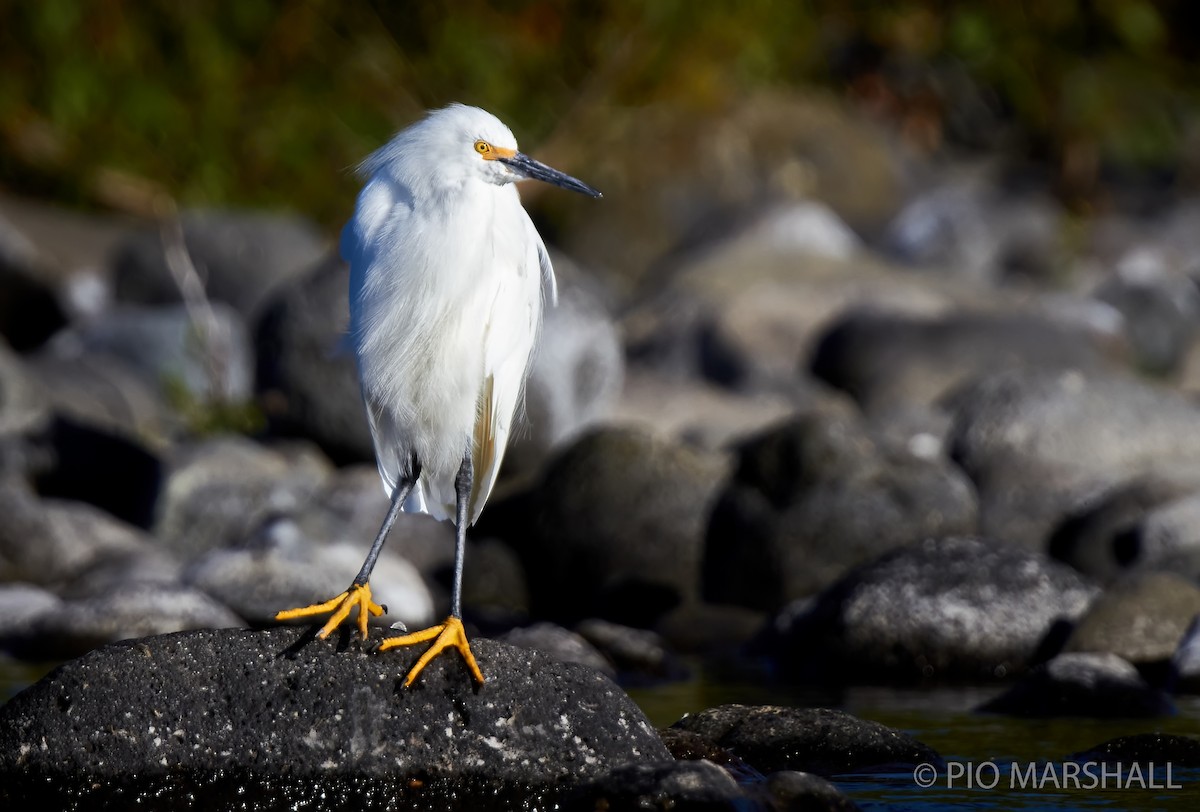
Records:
x=490, y=153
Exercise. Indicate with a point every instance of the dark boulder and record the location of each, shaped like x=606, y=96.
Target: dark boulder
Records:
x=617, y=528
x=816, y=740
x=816, y=496
x=212, y=709
x=1102, y=686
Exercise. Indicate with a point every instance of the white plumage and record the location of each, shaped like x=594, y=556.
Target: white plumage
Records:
x=448, y=280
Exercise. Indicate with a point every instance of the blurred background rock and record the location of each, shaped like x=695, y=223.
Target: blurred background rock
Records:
x=876, y=292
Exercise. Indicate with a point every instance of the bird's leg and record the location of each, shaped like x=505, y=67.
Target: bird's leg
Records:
x=450, y=634
x=359, y=593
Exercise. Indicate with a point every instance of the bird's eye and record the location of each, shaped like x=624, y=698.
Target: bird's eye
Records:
x=483, y=147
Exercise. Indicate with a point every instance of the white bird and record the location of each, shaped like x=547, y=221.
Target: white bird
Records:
x=448, y=277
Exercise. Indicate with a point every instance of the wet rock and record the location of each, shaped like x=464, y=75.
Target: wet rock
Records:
x=560, y=644
x=1160, y=748
x=941, y=609
x=280, y=569
x=816, y=496
x=240, y=257
x=885, y=359
x=1141, y=618
x=1082, y=684
x=1038, y=444
x=306, y=377
x=126, y=611
x=217, y=492
x=688, y=786
x=687, y=745
x=208, y=360
x=793, y=791
x=617, y=528
x=638, y=654
x=155, y=712
x=817, y=740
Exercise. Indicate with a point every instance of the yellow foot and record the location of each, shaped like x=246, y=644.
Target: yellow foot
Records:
x=359, y=596
x=449, y=635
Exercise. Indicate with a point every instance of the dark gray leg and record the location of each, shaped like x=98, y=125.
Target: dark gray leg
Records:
x=399, y=494
x=462, y=490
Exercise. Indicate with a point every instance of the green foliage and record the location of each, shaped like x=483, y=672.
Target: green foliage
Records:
x=271, y=104
x=211, y=416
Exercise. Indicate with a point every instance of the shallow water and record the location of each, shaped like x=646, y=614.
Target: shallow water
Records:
x=979, y=748
x=982, y=749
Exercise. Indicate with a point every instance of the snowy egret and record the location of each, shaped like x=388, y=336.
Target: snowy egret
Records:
x=447, y=282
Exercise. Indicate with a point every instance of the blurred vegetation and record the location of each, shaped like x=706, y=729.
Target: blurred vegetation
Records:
x=251, y=102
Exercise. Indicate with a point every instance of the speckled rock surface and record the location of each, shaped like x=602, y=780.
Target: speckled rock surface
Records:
x=941, y=609
x=816, y=740
x=278, y=702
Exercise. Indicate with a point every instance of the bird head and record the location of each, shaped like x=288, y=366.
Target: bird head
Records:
x=477, y=142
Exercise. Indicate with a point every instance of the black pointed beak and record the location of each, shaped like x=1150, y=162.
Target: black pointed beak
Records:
x=536, y=170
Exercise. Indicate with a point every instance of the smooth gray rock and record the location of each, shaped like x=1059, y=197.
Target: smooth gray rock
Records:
x=218, y=491
x=561, y=644
x=104, y=393
x=616, y=527
x=885, y=359
x=280, y=569
x=58, y=543
x=638, y=654
x=941, y=609
x=262, y=705
x=1102, y=686
x=1161, y=308
x=816, y=496
x=1141, y=618
x=1037, y=445
x=349, y=507
x=125, y=611
x=576, y=375
x=207, y=361
x=1101, y=537
x=240, y=257
x=306, y=378
x=968, y=224
x=20, y=607
x=816, y=740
